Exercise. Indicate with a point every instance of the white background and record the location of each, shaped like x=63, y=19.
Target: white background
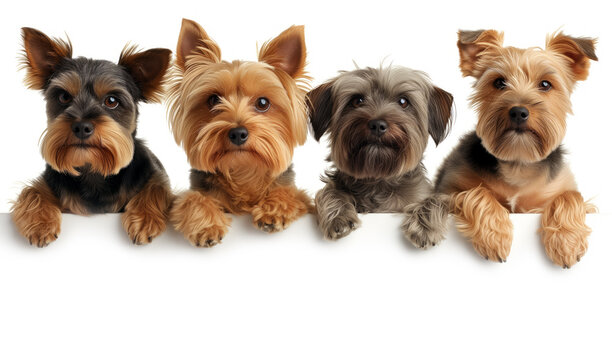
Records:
x=292, y=295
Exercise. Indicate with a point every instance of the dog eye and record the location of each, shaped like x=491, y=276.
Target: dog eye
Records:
x=64, y=98
x=357, y=101
x=499, y=83
x=262, y=104
x=403, y=102
x=111, y=102
x=213, y=100
x=545, y=85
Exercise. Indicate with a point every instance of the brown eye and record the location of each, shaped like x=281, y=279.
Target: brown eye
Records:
x=357, y=101
x=64, y=98
x=213, y=100
x=499, y=83
x=403, y=102
x=545, y=85
x=262, y=104
x=111, y=102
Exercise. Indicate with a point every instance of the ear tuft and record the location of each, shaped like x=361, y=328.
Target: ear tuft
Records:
x=579, y=52
x=287, y=52
x=440, y=111
x=320, y=107
x=194, y=40
x=41, y=56
x=148, y=68
x=473, y=45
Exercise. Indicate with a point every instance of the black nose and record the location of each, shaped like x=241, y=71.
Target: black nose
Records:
x=82, y=129
x=238, y=135
x=378, y=127
x=519, y=115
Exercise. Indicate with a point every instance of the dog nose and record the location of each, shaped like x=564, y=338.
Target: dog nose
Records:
x=519, y=115
x=82, y=129
x=239, y=135
x=378, y=127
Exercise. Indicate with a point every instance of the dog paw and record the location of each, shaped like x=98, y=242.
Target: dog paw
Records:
x=565, y=247
x=199, y=218
x=280, y=208
x=142, y=227
x=340, y=226
x=425, y=223
x=36, y=217
x=493, y=245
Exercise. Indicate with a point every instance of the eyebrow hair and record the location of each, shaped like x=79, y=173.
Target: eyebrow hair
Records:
x=106, y=84
x=69, y=81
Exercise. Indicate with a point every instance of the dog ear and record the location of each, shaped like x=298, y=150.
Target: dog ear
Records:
x=579, y=52
x=320, y=107
x=147, y=68
x=440, y=112
x=194, y=40
x=41, y=56
x=473, y=45
x=287, y=52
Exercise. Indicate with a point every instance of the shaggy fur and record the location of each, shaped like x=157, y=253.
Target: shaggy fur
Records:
x=107, y=169
x=379, y=122
x=512, y=164
x=210, y=102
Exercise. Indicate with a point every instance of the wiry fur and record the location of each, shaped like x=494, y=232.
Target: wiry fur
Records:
x=503, y=167
x=253, y=177
x=109, y=171
x=373, y=173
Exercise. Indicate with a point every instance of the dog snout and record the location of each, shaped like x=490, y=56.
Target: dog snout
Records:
x=82, y=129
x=519, y=115
x=238, y=135
x=378, y=127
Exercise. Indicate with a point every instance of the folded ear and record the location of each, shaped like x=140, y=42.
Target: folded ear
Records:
x=472, y=46
x=320, y=107
x=287, y=52
x=579, y=52
x=41, y=56
x=147, y=68
x=194, y=40
x=440, y=111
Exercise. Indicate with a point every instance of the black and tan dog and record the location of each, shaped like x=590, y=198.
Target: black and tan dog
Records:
x=379, y=122
x=95, y=164
x=514, y=161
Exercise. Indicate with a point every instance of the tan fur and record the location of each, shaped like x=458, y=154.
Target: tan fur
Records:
x=37, y=215
x=146, y=213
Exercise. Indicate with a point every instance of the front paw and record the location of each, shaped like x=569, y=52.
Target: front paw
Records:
x=565, y=247
x=340, y=226
x=142, y=227
x=280, y=208
x=36, y=217
x=426, y=222
x=199, y=218
x=493, y=245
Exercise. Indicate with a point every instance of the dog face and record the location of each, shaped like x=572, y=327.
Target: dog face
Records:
x=92, y=105
x=378, y=120
x=522, y=96
x=239, y=115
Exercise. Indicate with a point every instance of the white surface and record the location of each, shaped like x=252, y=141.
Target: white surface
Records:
x=94, y=295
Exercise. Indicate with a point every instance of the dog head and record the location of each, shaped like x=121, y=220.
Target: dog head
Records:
x=522, y=96
x=239, y=115
x=92, y=105
x=379, y=120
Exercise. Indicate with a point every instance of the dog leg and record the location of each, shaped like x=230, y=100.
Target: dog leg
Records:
x=280, y=207
x=564, y=231
x=37, y=214
x=336, y=213
x=146, y=213
x=485, y=221
x=199, y=218
x=425, y=222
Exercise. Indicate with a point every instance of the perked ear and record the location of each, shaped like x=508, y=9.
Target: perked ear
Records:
x=579, y=52
x=41, y=56
x=194, y=40
x=287, y=52
x=472, y=45
x=440, y=111
x=148, y=69
x=320, y=107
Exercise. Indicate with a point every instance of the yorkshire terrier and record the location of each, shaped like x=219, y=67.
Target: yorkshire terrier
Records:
x=379, y=122
x=238, y=123
x=514, y=161
x=95, y=164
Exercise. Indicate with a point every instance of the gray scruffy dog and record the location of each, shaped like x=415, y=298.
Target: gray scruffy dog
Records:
x=379, y=121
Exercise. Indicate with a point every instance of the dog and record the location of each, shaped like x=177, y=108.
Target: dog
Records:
x=238, y=123
x=379, y=121
x=514, y=160
x=94, y=162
